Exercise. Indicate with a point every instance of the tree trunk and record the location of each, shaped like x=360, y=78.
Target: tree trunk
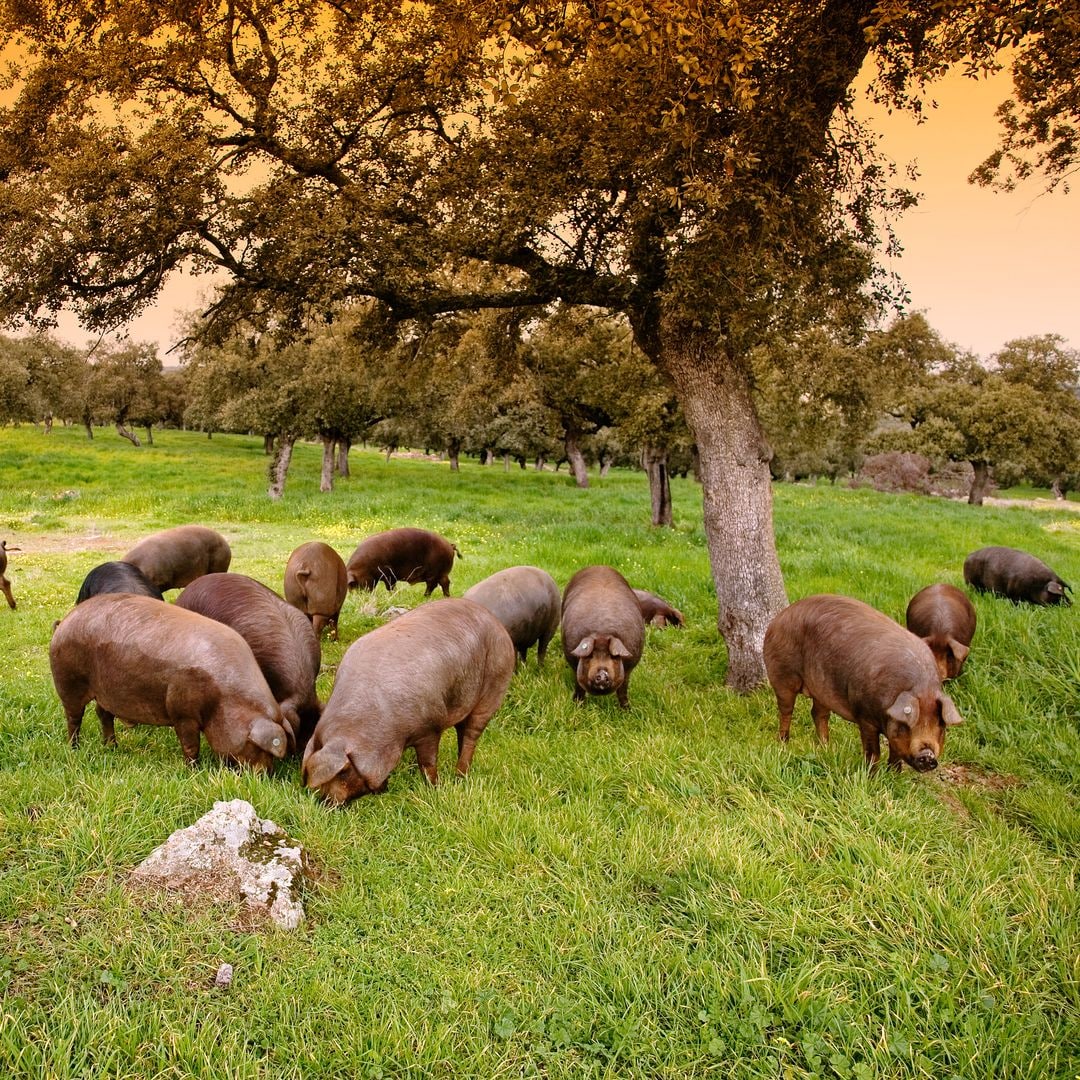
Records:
x=279, y=465
x=1059, y=489
x=540, y=460
x=89, y=428
x=343, y=448
x=326, y=480
x=655, y=461
x=268, y=443
x=453, y=452
x=149, y=434
x=605, y=465
x=48, y=423
x=576, y=459
x=126, y=433
x=980, y=483
x=733, y=456
x=389, y=451
x=506, y=462
x=487, y=457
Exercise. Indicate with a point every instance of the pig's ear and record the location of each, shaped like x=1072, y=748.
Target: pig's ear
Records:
x=905, y=709
x=270, y=737
x=323, y=765
x=585, y=646
x=617, y=648
x=959, y=650
x=949, y=713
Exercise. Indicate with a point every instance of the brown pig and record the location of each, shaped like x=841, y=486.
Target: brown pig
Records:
x=175, y=557
x=154, y=663
x=280, y=637
x=944, y=618
x=117, y=577
x=854, y=661
x=408, y=555
x=656, y=611
x=526, y=600
x=603, y=632
x=5, y=585
x=442, y=665
x=316, y=583
x=1016, y=575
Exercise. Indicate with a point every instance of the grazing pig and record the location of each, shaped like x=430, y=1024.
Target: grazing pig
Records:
x=175, y=557
x=526, y=600
x=443, y=665
x=154, y=663
x=854, y=661
x=603, y=632
x=656, y=611
x=5, y=585
x=408, y=555
x=117, y=577
x=944, y=618
x=280, y=637
x=316, y=583
x=1015, y=575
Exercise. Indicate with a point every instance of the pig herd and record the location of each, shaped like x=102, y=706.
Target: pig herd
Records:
x=233, y=662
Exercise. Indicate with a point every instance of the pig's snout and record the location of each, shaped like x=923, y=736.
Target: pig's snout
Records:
x=925, y=760
x=601, y=679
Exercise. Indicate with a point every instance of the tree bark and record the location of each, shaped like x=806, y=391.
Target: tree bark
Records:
x=1058, y=488
x=326, y=480
x=279, y=465
x=655, y=461
x=506, y=462
x=733, y=455
x=487, y=457
x=268, y=443
x=343, y=448
x=576, y=459
x=149, y=434
x=48, y=423
x=89, y=428
x=540, y=460
x=126, y=433
x=453, y=452
x=980, y=483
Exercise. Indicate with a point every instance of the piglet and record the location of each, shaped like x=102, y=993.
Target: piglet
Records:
x=154, y=663
x=1014, y=574
x=445, y=664
x=316, y=583
x=854, y=661
x=603, y=632
x=944, y=618
x=408, y=555
x=526, y=600
x=176, y=557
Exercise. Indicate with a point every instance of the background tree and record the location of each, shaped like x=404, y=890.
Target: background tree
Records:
x=696, y=169
x=16, y=390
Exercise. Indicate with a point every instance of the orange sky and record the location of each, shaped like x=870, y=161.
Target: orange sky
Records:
x=985, y=267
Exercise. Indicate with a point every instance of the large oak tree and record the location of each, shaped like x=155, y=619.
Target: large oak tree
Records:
x=692, y=165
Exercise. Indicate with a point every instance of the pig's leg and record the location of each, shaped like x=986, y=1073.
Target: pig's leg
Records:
x=74, y=722
x=785, y=705
x=187, y=731
x=108, y=733
x=895, y=760
x=820, y=713
x=871, y=744
x=427, y=756
x=541, y=649
x=444, y=583
x=468, y=732
x=317, y=623
x=5, y=586
x=620, y=694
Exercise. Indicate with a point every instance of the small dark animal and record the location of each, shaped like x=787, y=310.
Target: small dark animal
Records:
x=117, y=577
x=176, y=557
x=1015, y=575
x=281, y=639
x=316, y=583
x=944, y=618
x=656, y=611
x=5, y=585
x=154, y=663
x=854, y=661
x=526, y=600
x=603, y=632
x=442, y=665
x=408, y=555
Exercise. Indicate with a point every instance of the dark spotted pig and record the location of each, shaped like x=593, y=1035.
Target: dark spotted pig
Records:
x=442, y=665
x=656, y=611
x=5, y=585
x=117, y=577
x=176, y=557
x=603, y=632
x=526, y=600
x=280, y=637
x=854, y=661
x=154, y=663
x=1015, y=575
x=944, y=618
x=316, y=583
x=408, y=555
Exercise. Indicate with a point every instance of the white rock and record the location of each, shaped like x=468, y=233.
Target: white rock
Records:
x=228, y=854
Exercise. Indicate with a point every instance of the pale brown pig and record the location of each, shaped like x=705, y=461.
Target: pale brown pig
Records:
x=316, y=583
x=854, y=661
x=5, y=585
x=408, y=555
x=603, y=632
x=526, y=600
x=442, y=665
x=1015, y=575
x=154, y=663
x=944, y=618
x=175, y=557
x=656, y=611
x=280, y=637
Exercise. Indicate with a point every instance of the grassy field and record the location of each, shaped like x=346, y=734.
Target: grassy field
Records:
x=664, y=892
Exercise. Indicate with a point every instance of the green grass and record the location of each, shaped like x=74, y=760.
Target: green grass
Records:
x=660, y=893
